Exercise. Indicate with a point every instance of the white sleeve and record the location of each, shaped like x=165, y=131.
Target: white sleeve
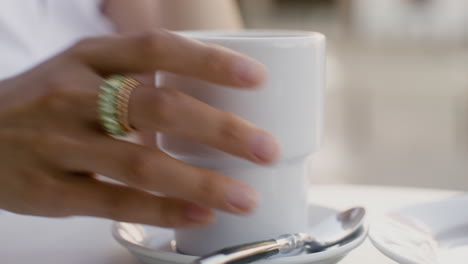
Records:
x=32, y=31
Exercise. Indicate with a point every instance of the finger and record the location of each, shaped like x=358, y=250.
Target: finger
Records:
x=90, y=197
x=173, y=112
x=164, y=50
x=150, y=169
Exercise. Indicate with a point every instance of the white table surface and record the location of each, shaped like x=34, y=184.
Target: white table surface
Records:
x=80, y=240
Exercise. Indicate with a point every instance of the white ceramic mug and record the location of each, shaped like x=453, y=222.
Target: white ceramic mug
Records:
x=289, y=106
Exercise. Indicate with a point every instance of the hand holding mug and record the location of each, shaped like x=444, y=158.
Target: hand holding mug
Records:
x=52, y=143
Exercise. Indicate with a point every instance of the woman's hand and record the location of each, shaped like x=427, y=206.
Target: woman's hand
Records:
x=52, y=144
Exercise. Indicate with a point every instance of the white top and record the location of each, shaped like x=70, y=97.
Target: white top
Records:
x=32, y=31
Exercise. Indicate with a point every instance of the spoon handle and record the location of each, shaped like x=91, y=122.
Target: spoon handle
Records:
x=242, y=254
x=250, y=252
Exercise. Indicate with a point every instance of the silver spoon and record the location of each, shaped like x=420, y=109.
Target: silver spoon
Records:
x=330, y=232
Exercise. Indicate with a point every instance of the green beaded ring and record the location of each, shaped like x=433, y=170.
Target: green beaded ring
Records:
x=108, y=104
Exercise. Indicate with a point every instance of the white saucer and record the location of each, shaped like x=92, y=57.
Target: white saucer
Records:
x=430, y=233
x=154, y=245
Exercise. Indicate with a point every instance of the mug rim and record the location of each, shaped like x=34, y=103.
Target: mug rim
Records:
x=252, y=34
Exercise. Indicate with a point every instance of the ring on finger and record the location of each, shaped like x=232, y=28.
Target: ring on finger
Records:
x=114, y=97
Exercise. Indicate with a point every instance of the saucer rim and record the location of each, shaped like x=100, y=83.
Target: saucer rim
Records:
x=173, y=257
x=403, y=211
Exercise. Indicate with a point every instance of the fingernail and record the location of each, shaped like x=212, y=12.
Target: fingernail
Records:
x=243, y=198
x=249, y=72
x=264, y=146
x=198, y=213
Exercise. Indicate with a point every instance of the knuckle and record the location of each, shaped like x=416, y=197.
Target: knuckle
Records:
x=140, y=168
x=207, y=188
x=214, y=58
x=230, y=129
x=162, y=105
x=57, y=97
x=153, y=43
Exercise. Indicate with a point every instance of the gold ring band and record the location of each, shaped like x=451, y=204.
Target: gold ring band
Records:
x=123, y=103
x=114, y=98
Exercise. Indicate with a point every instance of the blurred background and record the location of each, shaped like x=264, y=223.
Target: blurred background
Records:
x=397, y=95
